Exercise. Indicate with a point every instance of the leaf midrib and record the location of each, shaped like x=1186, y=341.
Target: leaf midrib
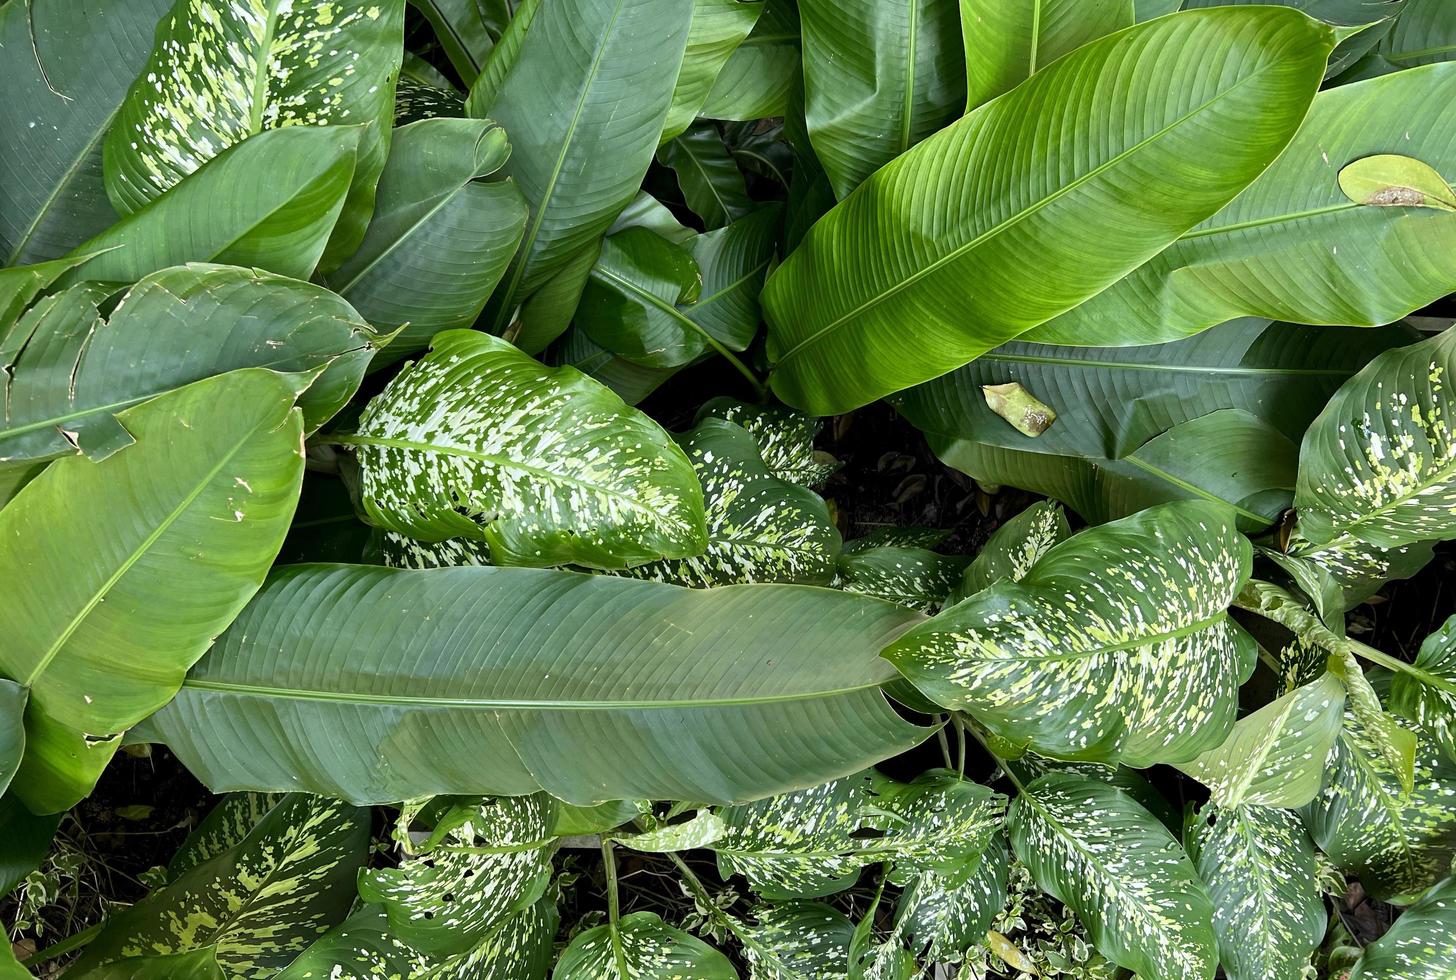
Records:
x=1122, y=647
x=1197, y=491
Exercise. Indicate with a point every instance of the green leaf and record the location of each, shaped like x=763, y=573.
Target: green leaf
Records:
x=946, y=916
x=580, y=820
x=1095, y=850
x=466, y=30
x=1423, y=34
x=710, y=180
x=879, y=77
x=1016, y=547
x=1420, y=945
x=785, y=438
x=225, y=826
x=12, y=730
x=1116, y=647
x=1430, y=707
x=246, y=912
x=630, y=303
x=25, y=840
x=702, y=829
x=545, y=466
x=1275, y=757
x=641, y=947
x=718, y=28
x=224, y=70
x=120, y=573
x=1391, y=181
x=19, y=286
x=1019, y=408
x=905, y=249
x=584, y=105
x=1259, y=866
x=441, y=236
x=914, y=577
x=1007, y=43
x=72, y=371
x=755, y=80
x=760, y=528
x=269, y=202
x=797, y=941
x=507, y=681
x=733, y=261
x=1359, y=24
x=66, y=69
x=1335, y=261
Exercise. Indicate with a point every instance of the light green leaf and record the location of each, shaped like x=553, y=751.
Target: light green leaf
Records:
x=711, y=183
x=1019, y=408
x=120, y=573
x=580, y=820
x=701, y=830
x=917, y=578
x=12, y=730
x=797, y=941
x=785, y=439
x=641, y=947
x=19, y=286
x=1389, y=180
x=1421, y=945
x=946, y=916
x=1007, y=43
x=718, y=28
x=246, y=912
x=1016, y=547
x=224, y=70
x=903, y=252
x=1431, y=707
x=547, y=467
x=1094, y=849
x=1116, y=647
x=755, y=80
x=509, y=680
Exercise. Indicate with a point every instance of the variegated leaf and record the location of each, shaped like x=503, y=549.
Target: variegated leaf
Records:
x=945, y=918
x=224, y=70
x=544, y=465
x=1275, y=757
x=1094, y=849
x=760, y=528
x=1430, y=706
x=249, y=910
x=224, y=827
x=1016, y=546
x=400, y=551
x=1030, y=765
x=915, y=577
x=797, y=941
x=641, y=947
x=1116, y=647
x=1343, y=573
x=1420, y=946
x=785, y=439
x=1259, y=866
x=701, y=830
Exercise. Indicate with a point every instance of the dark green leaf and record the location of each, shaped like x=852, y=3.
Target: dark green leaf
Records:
x=1007, y=43
x=755, y=80
x=710, y=180
x=1421, y=945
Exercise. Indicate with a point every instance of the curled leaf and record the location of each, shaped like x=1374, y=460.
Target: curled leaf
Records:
x=1021, y=408
x=1389, y=180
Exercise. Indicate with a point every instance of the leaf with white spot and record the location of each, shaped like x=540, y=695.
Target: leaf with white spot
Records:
x=224, y=70
x=1259, y=866
x=797, y=941
x=945, y=917
x=1095, y=850
x=1116, y=647
x=1421, y=945
x=544, y=465
x=1016, y=546
x=249, y=910
x=702, y=829
x=785, y=439
x=225, y=826
x=1276, y=756
x=1431, y=706
x=641, y=947
x=915, y=577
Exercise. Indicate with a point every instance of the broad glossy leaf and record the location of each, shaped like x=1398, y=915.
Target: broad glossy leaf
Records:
x=1424, y=33
x=1016, y=547
x=269, y=202
x=711, y=183
x=1430, y=707
x=797, y=941
x=25, y=840
x=1268, y=914
x=224, y=70
x=194, y=512
x=440, y=238
x=12, y=730
x=785, y=438
x=505, y=681
x=630, y=305
x=879, y=77
x=545, y=466
x=67, y=66
x=584, y=104
x=901, y=253
x=733, y=261
x=20, y=285
x=1116, y=647
x=1007, y=43
x=246, y=912
x=718, y=28
x=1361, y=23
x=914, y=577
x=466, y=29
x=1334, y=261
x=755, y=80
x=641, y=947
x=1097, y=851
x=68, y=370
x=946, y=916
x=1421, y=945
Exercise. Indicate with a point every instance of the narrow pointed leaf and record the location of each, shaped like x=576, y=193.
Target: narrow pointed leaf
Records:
x=466, y=31
x=710, y=180
x=12, y=730
x=1421, y=945
x=1007, y=43
x=1423, y=34
x=1429, y=706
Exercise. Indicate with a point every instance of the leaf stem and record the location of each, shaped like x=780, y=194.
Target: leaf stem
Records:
x=614, y=907
x=1395, y=663
x=1000, y=762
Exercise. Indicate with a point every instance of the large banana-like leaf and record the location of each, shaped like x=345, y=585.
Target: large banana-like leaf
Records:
x=1007, y=43
x=755, y=80
x=477, y=440
x=1431, y=707
x=194, y=512
x=269, y=202
x=246, y=912
x=879, y=77
x=1092, y=847
x=60, y=98
x=1016, y=547
x=440, y=238
x=1259, y=866
x=1334, y=261
x=584, y=104
x=638, y=947
x=467, y=31
x=12, y=730
x=1361, y=23
x=224, y=70
x=964, y=266
x=1423, y=34
x=630, y=305
x=711, y=183
x=67, y=370
x=1421, y=945
x=377, y=684
x=20, y=285
x=718, y=28
x=1116, y=647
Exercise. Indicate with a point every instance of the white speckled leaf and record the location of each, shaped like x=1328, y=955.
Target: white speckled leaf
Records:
x=702, y=829
x=1016, y=546
x=1094, y=849
x=1344, y=572
x=252, y=909
x=641, y=947
x=785, y=439
x=1275, y=757
x=760, y=528
x=1420, y=946
x=225, y=826
x=915, y=577
x=546, y=466
x=946, y=918
x=1429, y=706
x=224, y=70
x=1116, y=647
x=1259, y=866
x=399, y=551
x=797, y=941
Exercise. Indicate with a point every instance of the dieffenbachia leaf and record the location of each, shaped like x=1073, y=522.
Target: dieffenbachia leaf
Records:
x=945, y=916
x=1275, y=757
x=1028, y=765
x=440, y=237
x=1421, y=945
x=225, y=826
x=248, y=911
x=914, y=577
x=222, y=71
x=760, y=528
x=638, y=947
x=785, y=439
x=1259, y=866
x=1007, y=43
x=711, y=183
x=1116, y=646
x=1015, y=548
x=912, y=247
x=477, y=440
x=797, y=941
x=755, y=80
x=717, y=29
x=120, y=574
x=1092, y=847
x=416, y=100
x=66, y=371
x=1431, y=707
